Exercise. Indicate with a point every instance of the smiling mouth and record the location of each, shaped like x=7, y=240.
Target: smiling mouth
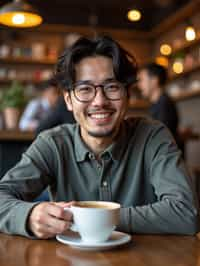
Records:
x=100, y=116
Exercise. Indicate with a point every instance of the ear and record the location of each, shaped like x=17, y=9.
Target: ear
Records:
x=68, y=100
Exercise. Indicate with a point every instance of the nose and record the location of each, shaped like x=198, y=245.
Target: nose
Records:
x=100, y=97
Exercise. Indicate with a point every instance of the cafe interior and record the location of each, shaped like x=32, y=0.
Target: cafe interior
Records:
x=166, y=32
x=163, y=31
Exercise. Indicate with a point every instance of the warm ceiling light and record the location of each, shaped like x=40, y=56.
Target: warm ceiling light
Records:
x=165, y=49
x=178, y=66
x=134, y=15
x=190, y=33
x=18, y=19
x=19, y=14
x=163, y=61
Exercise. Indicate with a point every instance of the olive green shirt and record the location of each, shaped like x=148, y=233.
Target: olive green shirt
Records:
x=142, y=169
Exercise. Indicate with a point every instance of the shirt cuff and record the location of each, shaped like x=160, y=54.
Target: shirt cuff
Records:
x=124, y=223
x=20, y=220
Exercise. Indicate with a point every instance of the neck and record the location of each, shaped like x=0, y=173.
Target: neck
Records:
x=96, y=144
x=155, y=95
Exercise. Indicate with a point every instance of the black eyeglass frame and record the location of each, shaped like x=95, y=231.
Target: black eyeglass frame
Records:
x=103, y=86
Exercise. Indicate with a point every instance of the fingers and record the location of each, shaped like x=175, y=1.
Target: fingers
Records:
x=48, y=219
x=44, y=231
x=58, y=212
x=64, y=204
x=58, y=226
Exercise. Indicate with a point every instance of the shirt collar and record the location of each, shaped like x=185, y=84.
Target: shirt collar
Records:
x=81, y=151
x=117, y=147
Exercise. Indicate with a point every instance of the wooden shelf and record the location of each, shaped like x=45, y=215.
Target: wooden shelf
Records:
x=16, y=135
x=24, y=60
x=183, y=96
x=185, y=47
x=6, y=81
x=186, y=95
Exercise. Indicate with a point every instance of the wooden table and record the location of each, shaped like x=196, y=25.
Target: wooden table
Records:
x=142, y=251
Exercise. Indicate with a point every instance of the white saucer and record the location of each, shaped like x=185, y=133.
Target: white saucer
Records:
x=73, y=239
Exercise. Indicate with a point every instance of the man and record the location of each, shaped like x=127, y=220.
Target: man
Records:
x=152, y=80
x=103, y=157
x=37, y=108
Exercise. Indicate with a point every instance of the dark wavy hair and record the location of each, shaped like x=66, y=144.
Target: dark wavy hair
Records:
x=158, y=71
x=124, y=64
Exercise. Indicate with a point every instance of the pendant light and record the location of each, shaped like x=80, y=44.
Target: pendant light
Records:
x=19, y=14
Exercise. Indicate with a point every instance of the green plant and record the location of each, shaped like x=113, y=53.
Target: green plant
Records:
x=13, y=96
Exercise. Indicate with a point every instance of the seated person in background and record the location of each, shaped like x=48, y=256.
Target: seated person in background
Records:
x=152, y=80
x=102, y=157
x=37, y=108
x=58, y=115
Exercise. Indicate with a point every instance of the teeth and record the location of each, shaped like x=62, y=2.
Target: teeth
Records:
x=100, y=116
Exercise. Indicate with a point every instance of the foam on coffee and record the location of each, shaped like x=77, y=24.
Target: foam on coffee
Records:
x=97, y=205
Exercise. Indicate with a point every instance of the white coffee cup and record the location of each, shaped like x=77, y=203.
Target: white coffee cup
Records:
x=95, y=220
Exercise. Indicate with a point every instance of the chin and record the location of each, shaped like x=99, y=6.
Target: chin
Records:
x=102, y=134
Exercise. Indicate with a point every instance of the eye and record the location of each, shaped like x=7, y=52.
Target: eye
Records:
x=113, y=86
x=84, y=89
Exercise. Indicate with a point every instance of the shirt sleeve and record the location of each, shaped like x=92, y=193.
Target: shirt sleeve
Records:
x=28, y=117
x=22, y=184
x=175, y=211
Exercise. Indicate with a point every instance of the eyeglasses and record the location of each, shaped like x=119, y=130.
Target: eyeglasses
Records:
x=86, y=92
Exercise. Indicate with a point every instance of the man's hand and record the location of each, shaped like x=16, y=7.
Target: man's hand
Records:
x=49, y=218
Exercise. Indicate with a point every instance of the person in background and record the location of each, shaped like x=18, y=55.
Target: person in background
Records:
x=37, y=108
x=152, y=79
x=58, y=115
x=134, y=162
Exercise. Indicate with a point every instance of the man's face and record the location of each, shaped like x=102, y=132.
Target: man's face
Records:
x=99, y=118
x=145, y=83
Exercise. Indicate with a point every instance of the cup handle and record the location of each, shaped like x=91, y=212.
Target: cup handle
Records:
x=73, y=226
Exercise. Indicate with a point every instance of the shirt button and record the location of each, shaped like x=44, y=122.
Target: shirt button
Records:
x=105, y=184
x=106, y=157
x=91, y=156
